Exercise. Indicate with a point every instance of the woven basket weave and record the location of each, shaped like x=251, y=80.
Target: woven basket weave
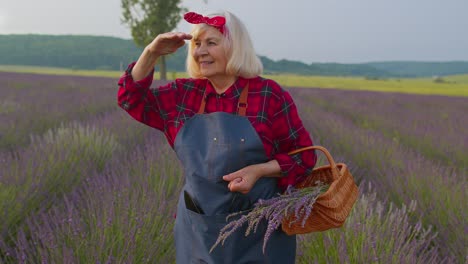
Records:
x=332, y=207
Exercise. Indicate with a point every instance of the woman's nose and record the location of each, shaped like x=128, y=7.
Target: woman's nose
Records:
x=201, y=50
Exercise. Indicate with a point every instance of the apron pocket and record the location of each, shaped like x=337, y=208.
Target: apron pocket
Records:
x=191, y=205
x=205, y=230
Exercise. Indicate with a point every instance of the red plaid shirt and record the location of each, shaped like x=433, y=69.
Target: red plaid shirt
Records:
x=271, y=111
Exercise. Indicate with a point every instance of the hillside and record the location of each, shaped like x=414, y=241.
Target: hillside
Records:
x=109, y=53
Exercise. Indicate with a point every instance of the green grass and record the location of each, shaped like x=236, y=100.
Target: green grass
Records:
x=456, y=85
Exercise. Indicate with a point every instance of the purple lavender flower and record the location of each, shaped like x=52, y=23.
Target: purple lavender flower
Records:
x=294, y=202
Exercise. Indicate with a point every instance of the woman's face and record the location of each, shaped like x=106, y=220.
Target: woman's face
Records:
x=209, y=53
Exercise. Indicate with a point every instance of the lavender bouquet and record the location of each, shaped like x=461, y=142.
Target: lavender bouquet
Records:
x=297, y=202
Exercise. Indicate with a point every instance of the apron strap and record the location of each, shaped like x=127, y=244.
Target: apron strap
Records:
x=241, y=105
x=201, y=110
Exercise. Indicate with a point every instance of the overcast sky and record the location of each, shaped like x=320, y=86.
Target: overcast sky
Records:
x=345, y=31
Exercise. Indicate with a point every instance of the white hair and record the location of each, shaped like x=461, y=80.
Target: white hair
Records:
x=241, y=57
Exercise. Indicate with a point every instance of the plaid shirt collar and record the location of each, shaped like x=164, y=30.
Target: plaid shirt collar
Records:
x=233, y=91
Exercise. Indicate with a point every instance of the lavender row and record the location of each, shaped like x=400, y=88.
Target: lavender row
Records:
x=124, y=214
x=375, y=232
x=33, y=103
x=400, y=173
x=434, y=125
x=36, y=178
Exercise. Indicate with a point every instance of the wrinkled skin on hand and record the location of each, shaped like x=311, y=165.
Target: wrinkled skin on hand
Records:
x=244, y=179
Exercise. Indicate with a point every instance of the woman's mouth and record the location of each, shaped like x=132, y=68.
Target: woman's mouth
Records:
x=205, y=63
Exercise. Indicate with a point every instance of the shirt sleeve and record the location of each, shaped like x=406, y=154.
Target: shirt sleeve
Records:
x=147, y=105
x=289, y=135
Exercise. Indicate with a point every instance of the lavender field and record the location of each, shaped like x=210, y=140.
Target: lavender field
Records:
x=82, y=182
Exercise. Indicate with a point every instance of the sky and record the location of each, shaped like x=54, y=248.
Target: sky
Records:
x=311, y=31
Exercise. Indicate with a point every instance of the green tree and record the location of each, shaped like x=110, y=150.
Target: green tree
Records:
x=149, y=18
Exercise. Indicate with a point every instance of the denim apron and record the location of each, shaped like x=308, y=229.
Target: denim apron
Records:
x=211, y=146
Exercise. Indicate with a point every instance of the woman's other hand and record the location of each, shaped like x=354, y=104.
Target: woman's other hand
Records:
x=244, y=179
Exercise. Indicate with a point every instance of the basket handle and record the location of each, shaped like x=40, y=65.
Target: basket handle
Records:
x=332, y=163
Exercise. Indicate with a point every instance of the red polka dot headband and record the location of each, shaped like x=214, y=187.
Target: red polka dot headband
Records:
x=216, y=21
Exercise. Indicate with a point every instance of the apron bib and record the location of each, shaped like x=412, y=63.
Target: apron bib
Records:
x=211, y=146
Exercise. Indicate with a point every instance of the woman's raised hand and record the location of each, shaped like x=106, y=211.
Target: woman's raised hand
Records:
x=168, y=43
x=163, y=44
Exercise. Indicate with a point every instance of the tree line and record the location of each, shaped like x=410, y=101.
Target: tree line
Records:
x=110, y=53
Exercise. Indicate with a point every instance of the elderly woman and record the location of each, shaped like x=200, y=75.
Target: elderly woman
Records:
x=231, y=130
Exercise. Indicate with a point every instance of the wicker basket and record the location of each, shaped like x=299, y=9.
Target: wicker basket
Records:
x=332, y=207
